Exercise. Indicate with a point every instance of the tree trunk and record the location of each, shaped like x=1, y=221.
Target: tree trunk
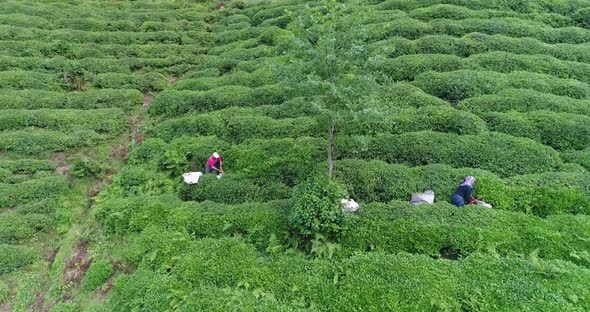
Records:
x=330, y=146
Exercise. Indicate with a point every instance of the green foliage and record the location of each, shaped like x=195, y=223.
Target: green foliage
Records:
x=561, y=131
x=36, y=141
x=524, y=100
x=580, y=157
x=111, y=120
x=458, y=85
x=92, y=99
x=14, y=257
x=16, y=227
x=142, y=82
x=316, y=208
x=97, y=274
x=32, y=190
x=3, y=292
x=86, y=167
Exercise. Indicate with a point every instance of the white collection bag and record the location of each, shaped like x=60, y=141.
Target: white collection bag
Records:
x=349, y=205
x=192, y=177
x=422, y=198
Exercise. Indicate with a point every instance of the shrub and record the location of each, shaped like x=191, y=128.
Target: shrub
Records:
x=230, y=190
x=32, y=190
x=14, y=257
x=86, y=167
x=474, y=151
x=142, y=82
x=523, y=100
x=580, y=157
x=27, y=166
x=98, y=273
x=19, y=80
x=16, y=227
x=4, y=292
x=427, y=229
x=111, y=121
x=458, y=85
x=316, y=208
x=173, y=103
x=92, y=99
x=559, y=130
x=34, y=141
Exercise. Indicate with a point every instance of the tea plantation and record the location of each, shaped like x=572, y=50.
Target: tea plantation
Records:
x=104, y=105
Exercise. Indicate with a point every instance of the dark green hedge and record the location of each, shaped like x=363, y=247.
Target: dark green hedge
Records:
x=142, y=82
x=173, y=102
x=292, y=280
x=112, y=121
x=92, y=99
x=523, y=100
x=27, y=166
x=561, y=131
x=19, y=80
x=580, y=157
x=458, y=85
x=36, y=141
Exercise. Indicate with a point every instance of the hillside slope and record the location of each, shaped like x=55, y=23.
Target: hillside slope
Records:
x=104, y=105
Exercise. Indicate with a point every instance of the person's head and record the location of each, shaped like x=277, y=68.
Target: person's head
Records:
x=215, y=155
x=470, y=180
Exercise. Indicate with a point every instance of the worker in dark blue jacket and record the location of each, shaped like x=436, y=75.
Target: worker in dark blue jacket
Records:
x=464, y=193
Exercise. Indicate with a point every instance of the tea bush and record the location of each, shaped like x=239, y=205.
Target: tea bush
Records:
x=500, y=153
x=561, y=131
x=14, y=257
x=19, y=80
x=172, y=102
x=523, y=100
x=27, y=166
x=91, y=99
x=143, y=82
x=15, y=227
x=34, y=142
x=112, y=121
x=97, y=274
x=32, y=190
x=459, y=85
x=427, y=229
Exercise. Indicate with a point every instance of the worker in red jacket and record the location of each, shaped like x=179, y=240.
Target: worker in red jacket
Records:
x=214, y=164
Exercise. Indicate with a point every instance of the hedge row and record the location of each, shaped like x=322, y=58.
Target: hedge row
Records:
x=253, y=80
x=524, y=100
x=393, y=228
x=542, y=195
x=561, y=131
x=35, y=141
x=456, y=12
x=291, y=281
x=255, y=221
x=29, y=80
x=429, y=229
x=477, y=43
x=499, y=153
x=92, y=50
x=239, y=124
x=580, y=157
x=162, y=12
x=30, y=191
x=412, y=29
x=93, y=99
x=96, y=25
x=407, y=67
x=176, y=102
x=100, y=37
x=16, y=227
x=144, y=82
x=112, y=121
x=15, y=257
x=27, y=166
x=551, y=6
x=458, y=85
